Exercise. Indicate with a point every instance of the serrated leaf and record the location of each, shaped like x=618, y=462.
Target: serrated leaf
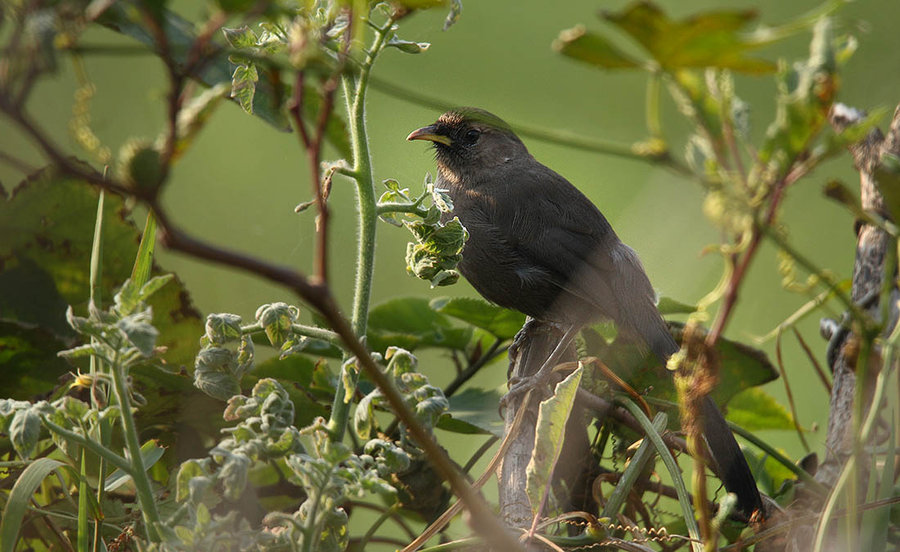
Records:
x=709, y=39
x=243, y=86
x=805, y=93
x=592, y=48
x=754, y=410
x=548, y=439
x=38, y=281
x=240, y=37
x=741, y=366
x=126, y=17
x=498, y=321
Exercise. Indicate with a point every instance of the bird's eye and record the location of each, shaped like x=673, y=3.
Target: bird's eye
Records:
x=472, y=136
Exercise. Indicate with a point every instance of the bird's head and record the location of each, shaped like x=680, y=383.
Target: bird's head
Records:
x=468, y=141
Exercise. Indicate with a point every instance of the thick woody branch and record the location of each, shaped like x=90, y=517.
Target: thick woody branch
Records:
x=868, y=270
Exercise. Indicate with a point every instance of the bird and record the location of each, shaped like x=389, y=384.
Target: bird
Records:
x=538, y=245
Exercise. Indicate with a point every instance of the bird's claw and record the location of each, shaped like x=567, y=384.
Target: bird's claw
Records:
x=519, y=386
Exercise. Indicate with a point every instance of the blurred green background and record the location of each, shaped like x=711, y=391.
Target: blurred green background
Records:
x=240, y=182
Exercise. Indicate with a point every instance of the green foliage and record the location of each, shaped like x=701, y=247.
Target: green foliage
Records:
x=426, y=401
x=499, y=322
x=474, y=411
x=281, y=475
x=755, y=410
x=439, y=241
x=411, y=323
x=549, y=440
x=710, y=39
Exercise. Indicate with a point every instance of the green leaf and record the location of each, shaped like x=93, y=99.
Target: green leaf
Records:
x=633, y=471
x=20, y=498
x=741, y=366
x=151, y=452
x=474, y=410
x=667, y=305
x=437, y=250
x=364, y=416
x=143, y=261
x=754, y=410
x=215, y=373
x=498, y=321
x=411, y=323
x=709, y=39
x=805, y=93
x=28, y=355
x=126, y=17
x=769, y=473
x=243, y=86
x=592, y=48
x=548, y=440
x=408, y=46
x=241, y=37
x=48, y=224
x=140, y=333
x=188, y=474
x=25, y=431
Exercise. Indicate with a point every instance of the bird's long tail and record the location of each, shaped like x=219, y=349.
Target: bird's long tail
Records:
x=730, y=463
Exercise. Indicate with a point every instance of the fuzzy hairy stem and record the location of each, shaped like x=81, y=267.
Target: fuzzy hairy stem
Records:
x=355, y=94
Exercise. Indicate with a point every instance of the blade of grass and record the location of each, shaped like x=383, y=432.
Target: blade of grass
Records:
x=633, y=471
x=20, y=496
x=684, y=499
x=143, y=262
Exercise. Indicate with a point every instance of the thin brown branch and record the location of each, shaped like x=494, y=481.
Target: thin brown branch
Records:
x=815, y=363
x=316, y=294
x=486, y=446
x=789, y=392
x=605, y=408
x=466, y=374
x=395, y=516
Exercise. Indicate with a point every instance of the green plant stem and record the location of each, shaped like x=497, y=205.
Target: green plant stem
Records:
x=654, y=84
x=386, y=515
x=314, y=332
x=461, y=544
x=633, y=471
x=684, y=498
x=413, y=208
x=773, y=453
x=310, y=528
x=83, y=490
x=93, y=446
x=355, y=94
x=136, y=460
x=830, y=282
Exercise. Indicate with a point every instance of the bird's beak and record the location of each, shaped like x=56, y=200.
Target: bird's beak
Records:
x=429, y=133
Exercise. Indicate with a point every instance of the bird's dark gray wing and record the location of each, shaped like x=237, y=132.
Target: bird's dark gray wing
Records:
x=561, y=231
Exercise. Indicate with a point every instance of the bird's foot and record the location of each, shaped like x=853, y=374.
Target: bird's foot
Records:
x=519, y=386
